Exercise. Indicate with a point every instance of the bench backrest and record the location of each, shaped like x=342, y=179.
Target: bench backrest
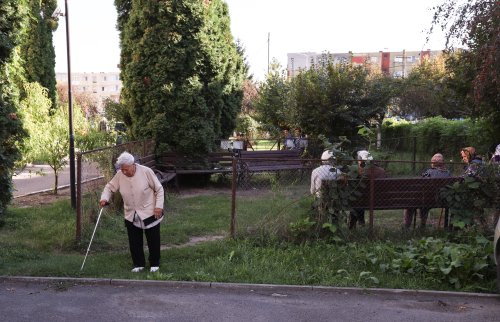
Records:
x=274, y=157
x=178, y=160
x=400, y=193
x=148, y=161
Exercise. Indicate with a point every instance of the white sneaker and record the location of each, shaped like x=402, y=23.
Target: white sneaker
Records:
x=154, y=269
x=137, y=269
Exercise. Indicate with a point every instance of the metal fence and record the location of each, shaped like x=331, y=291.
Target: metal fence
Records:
x=274, y=202
x=93, y=169
x=267, y=202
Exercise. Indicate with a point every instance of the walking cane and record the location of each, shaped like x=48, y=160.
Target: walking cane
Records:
x=88, y=248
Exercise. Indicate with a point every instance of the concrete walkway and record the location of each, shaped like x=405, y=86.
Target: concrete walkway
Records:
x=37, y=178
x=41, y=178
x=71, y=299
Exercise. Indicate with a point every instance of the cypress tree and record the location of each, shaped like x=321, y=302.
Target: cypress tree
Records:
x=181, y=71
x=13, y=14
x=37, y=49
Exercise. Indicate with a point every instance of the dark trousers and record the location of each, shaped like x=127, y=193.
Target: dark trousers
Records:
x=356, y=215
x=135, y=241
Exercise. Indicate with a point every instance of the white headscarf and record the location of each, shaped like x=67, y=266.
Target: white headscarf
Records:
x=497, y=150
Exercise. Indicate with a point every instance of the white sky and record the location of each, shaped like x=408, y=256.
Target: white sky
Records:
x=294, y=26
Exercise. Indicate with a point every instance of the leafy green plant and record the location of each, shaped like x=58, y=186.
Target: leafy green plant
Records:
x=467, y=199
x=440, y=260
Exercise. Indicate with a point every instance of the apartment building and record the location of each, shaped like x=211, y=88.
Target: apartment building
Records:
x=396, y=64
x=99, y=86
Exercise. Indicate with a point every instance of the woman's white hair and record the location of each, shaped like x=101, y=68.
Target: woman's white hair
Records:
x=125, y=159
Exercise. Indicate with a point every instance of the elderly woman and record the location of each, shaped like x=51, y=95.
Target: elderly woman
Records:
x=437, y=170
x=143, y=199
x=472, y=160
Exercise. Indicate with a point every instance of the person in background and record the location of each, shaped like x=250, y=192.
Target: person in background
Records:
x=371, y=171
x=324, y=172
x=299, y=143
x=287, y=140
x=495, y=158
x=246, y=143
x=472, y=160
x=143, y=198
x=437, y=170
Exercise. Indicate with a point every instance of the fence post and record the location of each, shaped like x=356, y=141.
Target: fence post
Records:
x=372, y=197
x=414, y=153
x=233, y=199
x=78, y=197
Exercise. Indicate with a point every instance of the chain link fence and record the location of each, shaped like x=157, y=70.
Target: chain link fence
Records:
x=93, y=170
x=273, y=197
x=288, y=202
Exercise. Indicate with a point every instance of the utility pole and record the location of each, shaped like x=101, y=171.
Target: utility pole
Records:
x=72, y=180
x=268, y=45
x=403, y=71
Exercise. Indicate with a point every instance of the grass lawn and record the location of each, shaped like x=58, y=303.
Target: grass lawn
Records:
x=40, y=242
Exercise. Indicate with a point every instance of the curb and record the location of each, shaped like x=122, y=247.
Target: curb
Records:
x=238, y=286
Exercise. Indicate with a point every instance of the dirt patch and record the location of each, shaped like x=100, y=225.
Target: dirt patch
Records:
x=42, y=198
x=193, y=241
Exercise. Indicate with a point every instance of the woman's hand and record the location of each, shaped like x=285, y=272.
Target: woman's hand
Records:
x=157, y=212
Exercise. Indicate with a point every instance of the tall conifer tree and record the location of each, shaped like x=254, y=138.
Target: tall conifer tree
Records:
x=13, y=15
x=37, y=49
x=181, y=71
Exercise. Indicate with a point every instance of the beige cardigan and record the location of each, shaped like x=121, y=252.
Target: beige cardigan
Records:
x=141, y=193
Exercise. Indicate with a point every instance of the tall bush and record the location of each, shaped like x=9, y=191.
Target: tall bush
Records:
x=436, y=134
x=13, y=15
x=181, y=70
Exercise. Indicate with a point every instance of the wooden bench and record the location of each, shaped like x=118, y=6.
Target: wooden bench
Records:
x=251, y=162
x=150, y=162
x=395, y=193
x=260, y=161
x=177, y=164
x=215, y=162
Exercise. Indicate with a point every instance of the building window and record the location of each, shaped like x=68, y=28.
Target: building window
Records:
x=84, y=88
x=398, y=59
x=104, y=78
x=102, y=88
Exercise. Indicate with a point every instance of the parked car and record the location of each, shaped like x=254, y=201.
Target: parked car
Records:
x=496, y=244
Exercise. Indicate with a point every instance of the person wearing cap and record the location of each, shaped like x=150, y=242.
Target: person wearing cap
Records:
x=143, y=198
x=372, y=171
x=324, y=172
x=437, y=170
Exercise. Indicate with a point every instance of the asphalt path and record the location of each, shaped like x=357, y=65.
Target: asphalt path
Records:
x=40, y=178
x=59, y=299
